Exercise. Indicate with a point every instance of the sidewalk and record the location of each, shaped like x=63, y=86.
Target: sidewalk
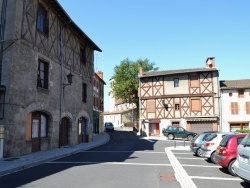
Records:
x=8, y=165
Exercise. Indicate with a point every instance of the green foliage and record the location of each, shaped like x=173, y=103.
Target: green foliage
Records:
x=242, y=131
x=126, y=79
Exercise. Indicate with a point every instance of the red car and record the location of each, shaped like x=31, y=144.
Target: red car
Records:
x=226, y=152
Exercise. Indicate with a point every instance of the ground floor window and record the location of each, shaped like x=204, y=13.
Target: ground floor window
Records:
x=39, y=125
x=239, y=126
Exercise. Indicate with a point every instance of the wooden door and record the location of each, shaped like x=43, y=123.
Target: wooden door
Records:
x=64, y=132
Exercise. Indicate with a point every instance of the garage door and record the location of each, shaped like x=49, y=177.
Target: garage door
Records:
x=201, y=127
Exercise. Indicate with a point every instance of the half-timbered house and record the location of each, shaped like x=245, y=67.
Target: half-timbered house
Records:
x=46, y=76
x=186, y=97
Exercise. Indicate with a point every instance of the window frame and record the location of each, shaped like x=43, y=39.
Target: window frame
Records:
x=38, y=116
x=194, y=80
x=43, y=74
x=241, y=93
x=84, y=92
x=193, y=107
x=177, y=107
x=176, y=82
x=83, y=58
x=42, y=21
x=234, y=108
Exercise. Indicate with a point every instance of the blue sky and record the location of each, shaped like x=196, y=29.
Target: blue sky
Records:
x=175, y=34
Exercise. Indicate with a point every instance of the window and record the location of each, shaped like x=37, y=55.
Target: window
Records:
x=39, y=125
x=84, y=92
x=247, y=107
x=42, y=20
x=194, y=81
x=234, y=108
x=230, y=94
x=42, y=74
x=241, y=93
x=177, y=106
x=176, y=82
x=82, y=56
x=195, y=105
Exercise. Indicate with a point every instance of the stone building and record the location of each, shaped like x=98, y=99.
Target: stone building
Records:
x=98, y=102
x=187, y=98
x=46, y=72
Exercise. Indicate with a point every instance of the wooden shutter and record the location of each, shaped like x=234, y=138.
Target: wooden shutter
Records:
x=247, y=107
x=234, y=108
x=195, y=105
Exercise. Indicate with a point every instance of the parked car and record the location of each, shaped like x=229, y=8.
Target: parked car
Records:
x=226, y=152
x=209, y=146
x=195, y=144
x=242, y=164
x=109, y=126
x=172, y=132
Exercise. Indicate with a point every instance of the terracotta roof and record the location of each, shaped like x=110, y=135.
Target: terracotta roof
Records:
x=179, y=71
x=235, y=84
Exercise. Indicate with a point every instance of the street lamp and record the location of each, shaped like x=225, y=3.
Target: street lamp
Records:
x=70, y=80
x=164, y=104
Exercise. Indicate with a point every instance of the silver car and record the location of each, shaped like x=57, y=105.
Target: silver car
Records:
x=242, y=164
x=209, y=146
x=195, y=144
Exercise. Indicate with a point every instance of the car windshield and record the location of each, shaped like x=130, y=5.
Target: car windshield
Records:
x=246, y=141
x=211, y=137
x=224, y=140
x=206, y=137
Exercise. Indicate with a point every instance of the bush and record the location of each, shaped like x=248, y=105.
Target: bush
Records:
x=242, y=131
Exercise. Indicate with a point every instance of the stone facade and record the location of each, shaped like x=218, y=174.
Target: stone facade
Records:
x=40, y=110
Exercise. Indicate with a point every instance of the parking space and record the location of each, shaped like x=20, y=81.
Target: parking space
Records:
x=203, y=173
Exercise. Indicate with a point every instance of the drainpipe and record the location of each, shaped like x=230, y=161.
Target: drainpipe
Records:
x=2, y=30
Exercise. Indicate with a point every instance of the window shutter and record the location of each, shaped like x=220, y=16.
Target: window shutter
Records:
x=28, y=127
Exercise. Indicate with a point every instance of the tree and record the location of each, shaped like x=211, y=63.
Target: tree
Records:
x=126, y=80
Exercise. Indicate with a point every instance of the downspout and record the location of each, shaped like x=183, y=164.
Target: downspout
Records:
x=2, y=30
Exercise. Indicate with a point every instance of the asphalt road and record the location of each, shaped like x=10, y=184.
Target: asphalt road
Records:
x=126, y=161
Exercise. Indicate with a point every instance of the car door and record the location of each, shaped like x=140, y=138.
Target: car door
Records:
x=181, y=133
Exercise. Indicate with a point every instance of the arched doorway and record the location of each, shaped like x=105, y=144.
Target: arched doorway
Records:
x=82, y=130
x=37, y=127
x=64, y=132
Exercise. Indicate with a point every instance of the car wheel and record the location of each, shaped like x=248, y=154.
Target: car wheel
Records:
x=190, y=137
x=199, y=152
x=212, y=157
x=230, y=168
x=170, y=136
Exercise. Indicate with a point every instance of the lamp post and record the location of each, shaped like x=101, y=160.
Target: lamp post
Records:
x=164, y=104
x=70, y=80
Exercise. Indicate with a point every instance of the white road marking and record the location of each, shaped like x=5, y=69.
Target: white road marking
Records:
x=110, y=163
x=180, y=173
x=202, y=166
x=123, y=152
x=190, y=158
x=216, y=178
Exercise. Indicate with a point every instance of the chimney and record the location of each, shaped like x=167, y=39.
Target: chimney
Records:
x=210, y=62
x=100, y=74
x=140, y=71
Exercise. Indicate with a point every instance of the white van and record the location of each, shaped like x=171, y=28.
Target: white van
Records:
x=242, y=164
